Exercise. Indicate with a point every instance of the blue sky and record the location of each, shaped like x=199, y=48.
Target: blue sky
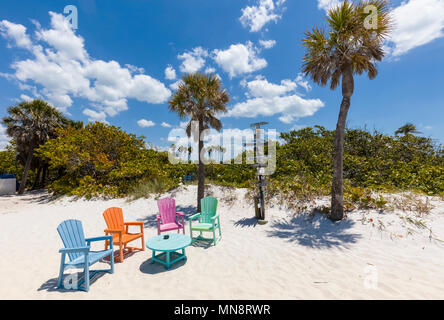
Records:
x=117, y=66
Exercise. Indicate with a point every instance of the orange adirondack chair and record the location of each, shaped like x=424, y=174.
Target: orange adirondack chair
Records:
x=119, y=230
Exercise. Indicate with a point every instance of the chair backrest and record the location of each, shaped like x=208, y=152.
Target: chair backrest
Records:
x=167, y=210
x=114, y=218
x=71, y=232
x=208, y=208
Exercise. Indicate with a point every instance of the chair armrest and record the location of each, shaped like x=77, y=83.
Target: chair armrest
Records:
x=215, y=217
x=70, y=250
x=194, y=216
x=133, y=223
x=98, y=239
x=116, y=231
x=180, y=214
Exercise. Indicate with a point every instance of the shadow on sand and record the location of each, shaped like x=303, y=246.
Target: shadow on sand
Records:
x=314, y=231
x=246, y=222
x=40, y=196
x=155, y=268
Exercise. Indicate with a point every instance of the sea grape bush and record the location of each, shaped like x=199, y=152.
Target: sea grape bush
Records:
x=103, y=160
x=99, y=160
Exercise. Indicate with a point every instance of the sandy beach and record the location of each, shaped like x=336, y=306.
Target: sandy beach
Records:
x=294, y=256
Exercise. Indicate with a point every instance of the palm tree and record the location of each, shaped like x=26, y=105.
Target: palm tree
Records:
x=190, y=151
x=349, y=47
x=31, y=124
x=201, y=98
x=408, y=128
x=221, y=151
x=181, y=150
x=210, y=151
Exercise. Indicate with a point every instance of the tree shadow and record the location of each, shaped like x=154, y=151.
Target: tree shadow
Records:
x=40, y=196
x=246, y=222
x=151, y=220
x=156, y=268
x=51, y=284
x=315, y=231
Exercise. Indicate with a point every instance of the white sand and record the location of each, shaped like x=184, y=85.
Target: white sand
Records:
x=292, y=257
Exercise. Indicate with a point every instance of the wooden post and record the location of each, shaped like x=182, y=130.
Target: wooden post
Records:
x=261, y=180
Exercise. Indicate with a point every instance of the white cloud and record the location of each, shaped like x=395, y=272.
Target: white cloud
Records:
x=327, y=4
x=301, y=82
x=239, y=59
x=165, y=125
x=417, y=22
x=4, y=139
x=145, y=123
x=25, y=97
x=95, y=115
x=268, y=99
x=63, y=70
x=174, y=86
x=170, y=73
x=210, y=70
x=257, y=16
x=193, y=61
x=261, y=88
x=267, y=44
x=134, y=69
x=15, y=32
x=62, y=38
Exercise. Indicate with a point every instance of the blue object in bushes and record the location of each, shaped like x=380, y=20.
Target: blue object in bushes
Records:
x=7, y=176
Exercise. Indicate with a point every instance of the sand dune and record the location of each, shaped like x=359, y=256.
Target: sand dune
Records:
x=291, y=257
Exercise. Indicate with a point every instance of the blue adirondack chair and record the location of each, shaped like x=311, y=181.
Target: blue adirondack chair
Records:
x=209, y=220
x=79, y=253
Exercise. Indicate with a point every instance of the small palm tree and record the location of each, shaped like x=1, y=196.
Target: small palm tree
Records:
x=181, y=150
x=408, y=128
x=201, y=98
x=221, y=150
x=190, y=151
x=349, y=47
x=31, y=124
x=210, y=151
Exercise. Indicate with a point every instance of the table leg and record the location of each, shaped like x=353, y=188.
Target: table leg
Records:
x=168, y=260
x=152, y=259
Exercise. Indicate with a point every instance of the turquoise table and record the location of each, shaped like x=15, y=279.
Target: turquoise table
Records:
x=168, y=248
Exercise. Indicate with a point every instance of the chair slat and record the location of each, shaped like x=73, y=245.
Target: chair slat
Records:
x=71, y=233
x=208, y=208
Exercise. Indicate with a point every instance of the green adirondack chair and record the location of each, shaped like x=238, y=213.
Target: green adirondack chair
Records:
x=209, y=220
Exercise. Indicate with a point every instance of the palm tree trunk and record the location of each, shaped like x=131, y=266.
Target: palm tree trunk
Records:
x=337, y=192
x=25, y=172
x=44, y=175
x=37, y=178
x=201, y=170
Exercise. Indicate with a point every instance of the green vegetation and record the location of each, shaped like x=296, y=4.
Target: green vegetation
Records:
x=103, y=160
x=8, y=162
x=100, y=159
x=30, y=124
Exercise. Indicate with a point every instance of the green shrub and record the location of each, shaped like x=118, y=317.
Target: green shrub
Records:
x=155, y=186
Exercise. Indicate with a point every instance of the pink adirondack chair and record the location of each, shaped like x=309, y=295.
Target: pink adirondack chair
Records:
x=169, y=219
